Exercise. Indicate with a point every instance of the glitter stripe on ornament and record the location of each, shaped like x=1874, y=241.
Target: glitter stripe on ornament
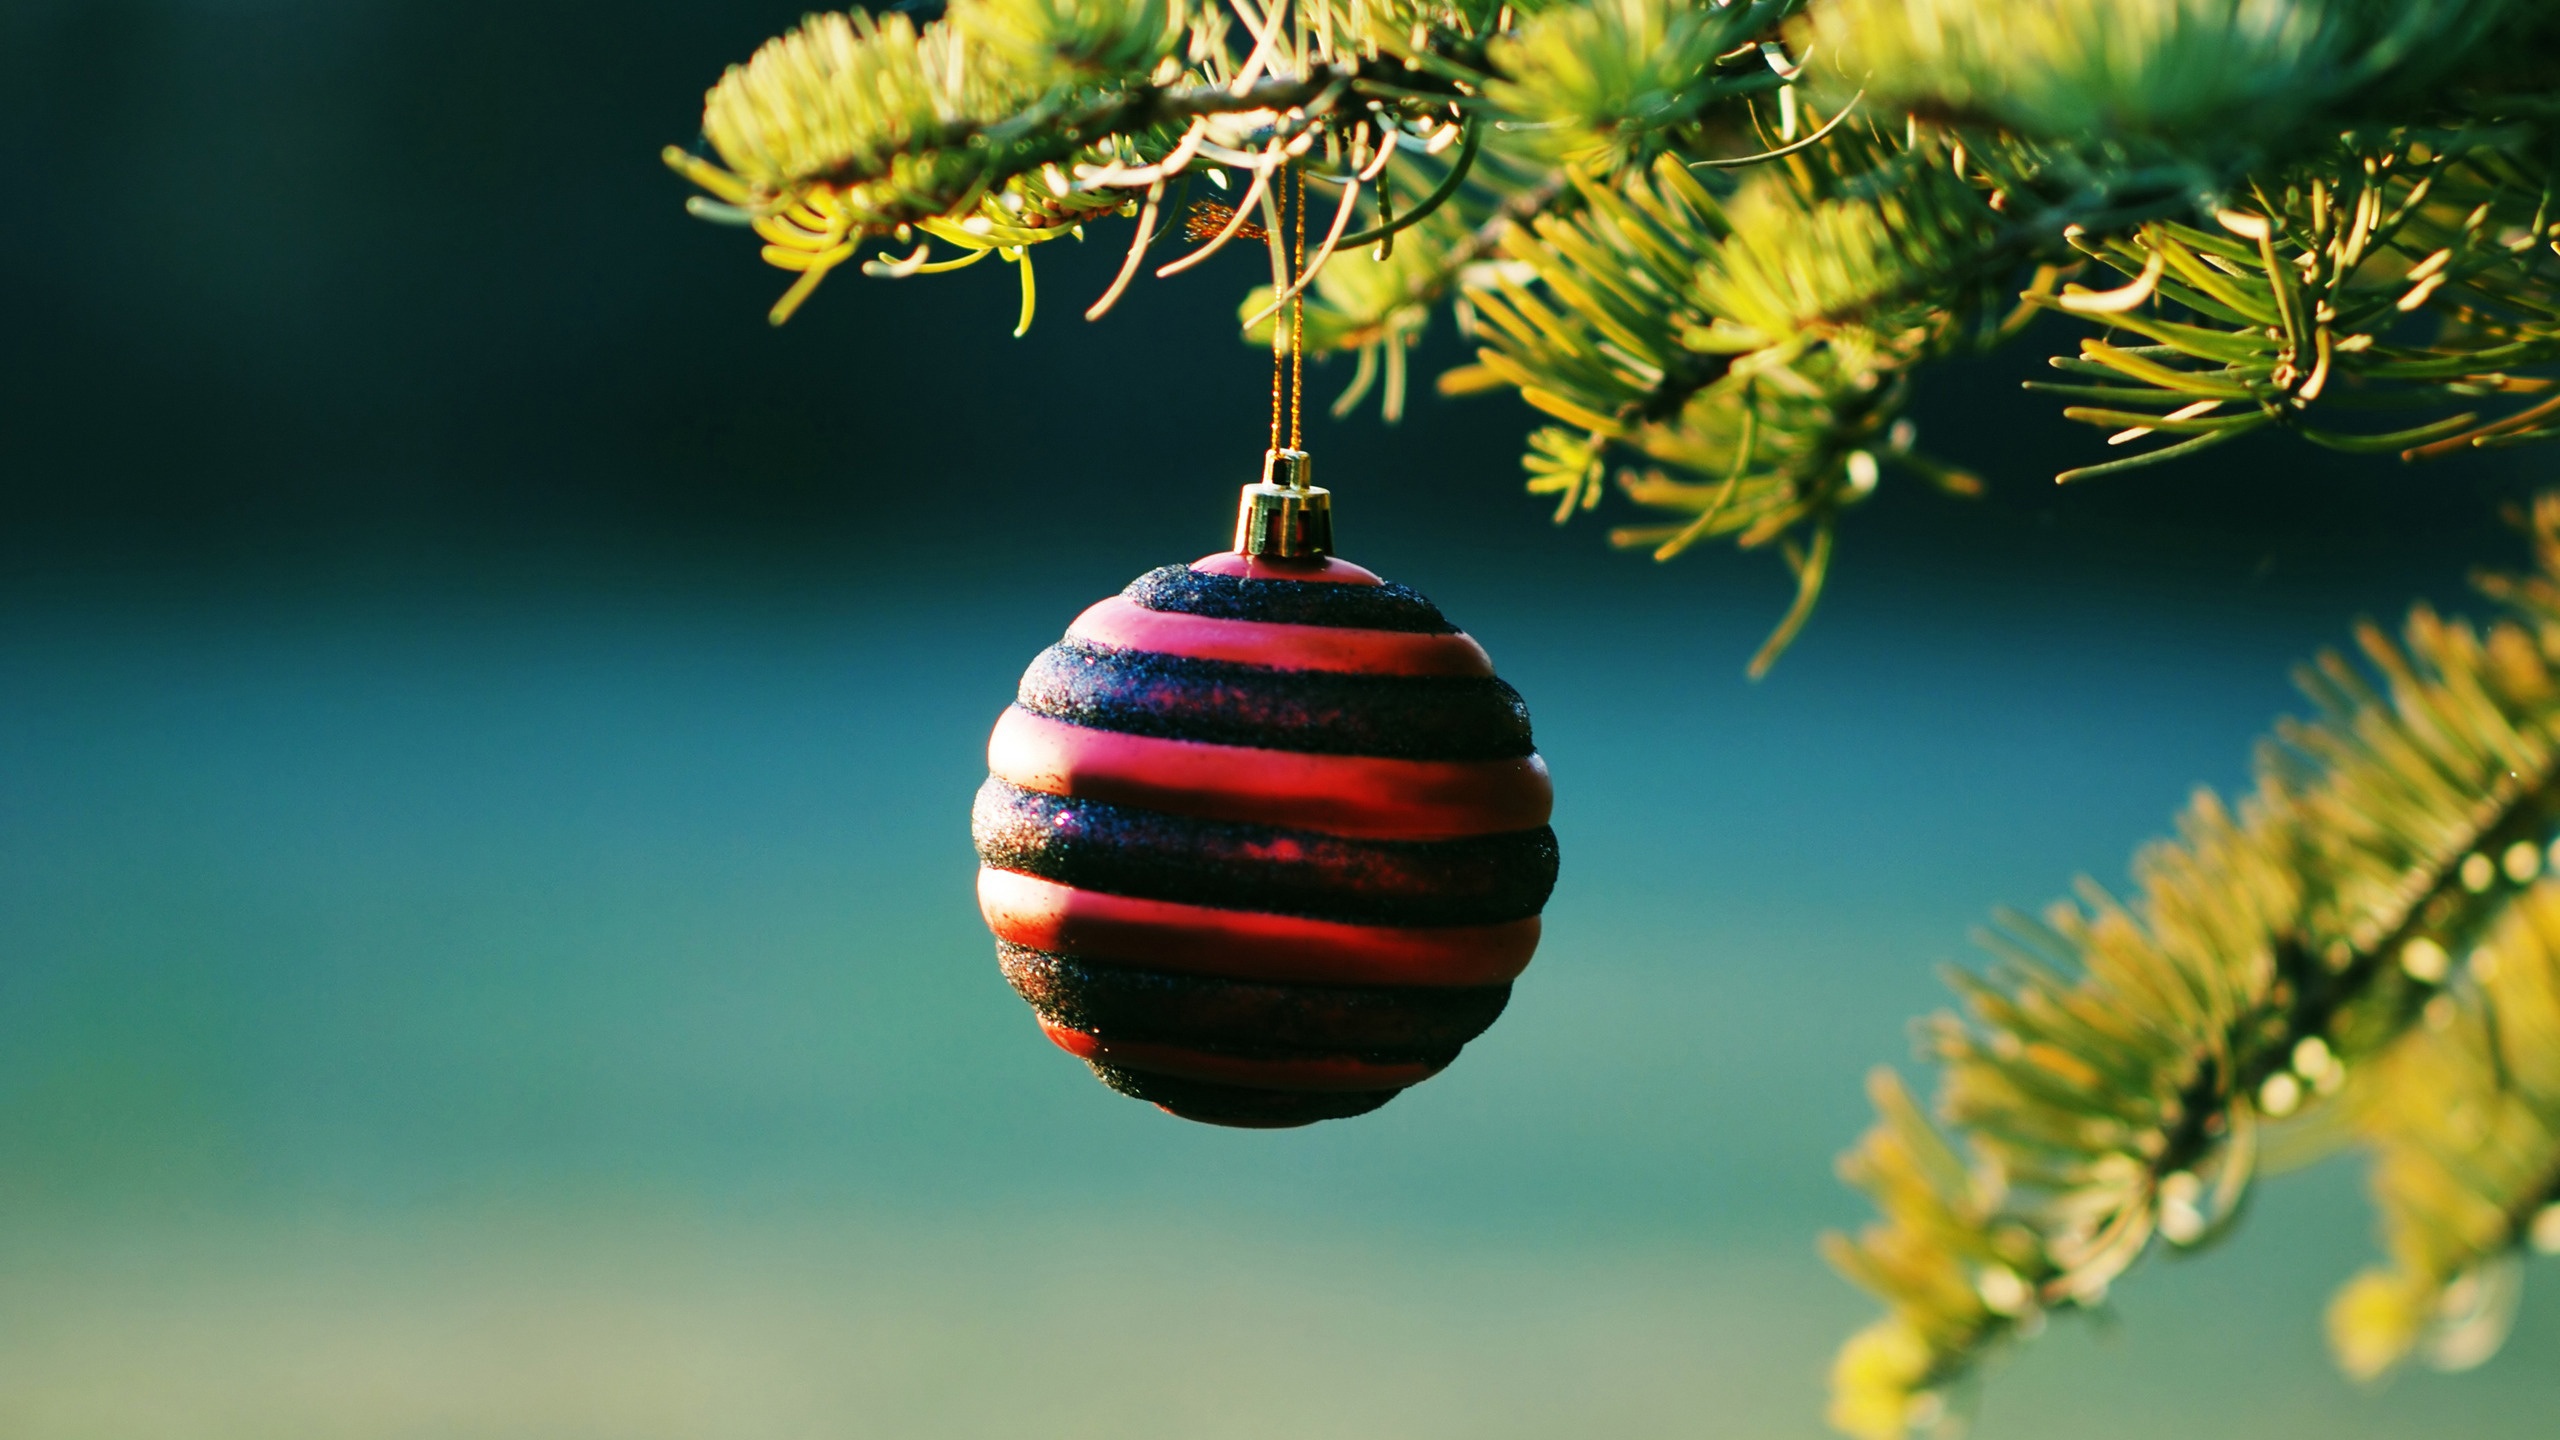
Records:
x=1123, y=1003
x=1328, y=569
x=1245, y=1107
x=1123, y=623
x=1167, y=935
x=1265, y=1070
x=1360, y=795
x=1093, y=845
x=1318, y=1039
x=1218, y=702
x=1188, y=590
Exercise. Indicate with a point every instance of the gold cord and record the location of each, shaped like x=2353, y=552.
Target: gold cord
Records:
x=1285, y=517
x=1278, y=339
x=1298, y=315
x=1293, y=341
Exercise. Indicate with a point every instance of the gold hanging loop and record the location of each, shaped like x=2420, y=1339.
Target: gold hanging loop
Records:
x=1284, y=517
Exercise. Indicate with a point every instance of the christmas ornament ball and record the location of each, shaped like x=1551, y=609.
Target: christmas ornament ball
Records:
x=1264, y=840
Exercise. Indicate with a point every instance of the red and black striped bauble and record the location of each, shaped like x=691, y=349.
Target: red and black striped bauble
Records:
x=1264, y=842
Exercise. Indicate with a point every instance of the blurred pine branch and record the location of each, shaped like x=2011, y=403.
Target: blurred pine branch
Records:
x=2321, y=966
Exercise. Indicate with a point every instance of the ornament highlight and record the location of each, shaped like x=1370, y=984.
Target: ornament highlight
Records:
x=1264, y=840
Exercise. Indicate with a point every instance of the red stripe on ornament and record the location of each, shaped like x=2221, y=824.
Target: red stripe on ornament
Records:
x=1258, y=567
x=1247, y=944
x=1367, y=796
x=1312, y=1072
x=1124, y=624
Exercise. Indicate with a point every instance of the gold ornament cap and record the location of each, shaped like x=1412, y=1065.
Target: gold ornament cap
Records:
x=1284, y=517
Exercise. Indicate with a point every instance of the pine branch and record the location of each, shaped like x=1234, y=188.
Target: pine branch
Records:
x=2464, y=1119
x=1010, y=121
x=2412, y=271
x=2233, y=85
x=1613, y=84
x=1688, y=327
x=2120, y=1061
x=1990, y=138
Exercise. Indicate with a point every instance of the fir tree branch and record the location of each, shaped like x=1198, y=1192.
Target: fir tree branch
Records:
x=2120, y=1060
x=2464, y=1120
x=2328, y=300
x=1995, y=136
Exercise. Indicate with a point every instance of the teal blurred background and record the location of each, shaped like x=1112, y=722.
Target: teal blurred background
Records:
x=486, y=730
